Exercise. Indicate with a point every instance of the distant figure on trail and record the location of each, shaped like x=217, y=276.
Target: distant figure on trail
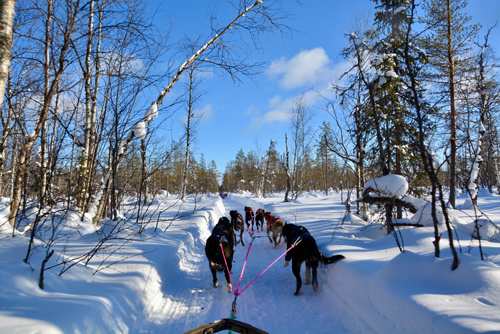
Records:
x=221, y=192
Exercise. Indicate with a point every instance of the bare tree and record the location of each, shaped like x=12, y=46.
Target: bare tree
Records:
x=252, y=18
x=193, y=82
x=301, y=132
x=448, y=41
x=52, y=80
x=286, y=167
x=420, y=107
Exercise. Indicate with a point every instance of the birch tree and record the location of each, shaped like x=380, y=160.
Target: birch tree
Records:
x=51, y=84
x=192, y=86
x=301, y=132
x=7, y=15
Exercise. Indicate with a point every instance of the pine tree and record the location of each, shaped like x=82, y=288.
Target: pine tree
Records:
x=448, y=43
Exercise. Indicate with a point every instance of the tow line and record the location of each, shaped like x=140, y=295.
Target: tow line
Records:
x=237, y=291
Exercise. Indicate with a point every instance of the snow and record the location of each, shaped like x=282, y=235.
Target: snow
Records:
x=391, y=185
x=139, y=130
x=151, y=113
x=161, y=282
x=391, y=74
x=80, y=140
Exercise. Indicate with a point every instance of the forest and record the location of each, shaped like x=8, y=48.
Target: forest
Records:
x=80, y=129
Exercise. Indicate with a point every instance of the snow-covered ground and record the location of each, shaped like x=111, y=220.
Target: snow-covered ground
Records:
x=161, y=282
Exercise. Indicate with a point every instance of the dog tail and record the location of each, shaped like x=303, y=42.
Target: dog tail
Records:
x=331, y=259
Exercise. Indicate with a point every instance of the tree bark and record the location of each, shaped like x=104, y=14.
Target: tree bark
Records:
x=286, y=167
x=453, y=114
x=7, y=15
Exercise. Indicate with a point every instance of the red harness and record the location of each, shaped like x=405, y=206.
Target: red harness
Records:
x=250, y=211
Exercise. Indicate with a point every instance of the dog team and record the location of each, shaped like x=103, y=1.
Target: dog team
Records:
x=219, y=248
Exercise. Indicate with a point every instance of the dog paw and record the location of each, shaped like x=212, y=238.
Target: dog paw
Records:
x=315, y=287
x=229, y=287
x=286, y=264
x=298, y=293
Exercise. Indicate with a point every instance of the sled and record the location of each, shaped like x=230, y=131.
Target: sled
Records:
x=226, y=324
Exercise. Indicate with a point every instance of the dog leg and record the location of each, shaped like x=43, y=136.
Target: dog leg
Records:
x=308, y=274
x=315, y=284
x=229, y=287
x=280, y=234
x=214, y=277
x=296, y=273
x=268, y=230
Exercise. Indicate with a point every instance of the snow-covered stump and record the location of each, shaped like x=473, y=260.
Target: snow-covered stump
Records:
x=389, y=190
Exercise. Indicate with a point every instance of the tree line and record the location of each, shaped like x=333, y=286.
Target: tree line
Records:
x=80, y=129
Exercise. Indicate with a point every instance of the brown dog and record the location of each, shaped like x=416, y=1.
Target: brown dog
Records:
x=274, y=224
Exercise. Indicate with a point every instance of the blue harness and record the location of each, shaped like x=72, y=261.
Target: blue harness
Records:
x=300, y=237
x=220, y=237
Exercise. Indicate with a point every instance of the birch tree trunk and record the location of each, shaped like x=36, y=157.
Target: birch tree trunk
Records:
x=85, y=157
x=286, y=167
x=7, y=15
x=453, y=113
x=190, y=115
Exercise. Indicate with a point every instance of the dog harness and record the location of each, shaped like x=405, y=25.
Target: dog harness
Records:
x=220, y=237
x=300, y=237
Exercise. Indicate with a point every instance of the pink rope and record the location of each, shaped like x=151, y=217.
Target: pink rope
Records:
x=240, y=292
x=225, y=261
x=243, y=270
x=264, y=227
x=236, y=291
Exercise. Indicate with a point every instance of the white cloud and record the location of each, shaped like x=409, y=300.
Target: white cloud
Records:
x=206, y=113
x=306, y=68
x=311, y=70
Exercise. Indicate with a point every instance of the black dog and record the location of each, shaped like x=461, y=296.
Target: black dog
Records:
x=222, y=234
x=249, y=216
x=238, y=225
x=306, y=250
x=259, y=218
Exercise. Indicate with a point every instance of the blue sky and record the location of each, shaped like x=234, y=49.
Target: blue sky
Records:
x=248, y=115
